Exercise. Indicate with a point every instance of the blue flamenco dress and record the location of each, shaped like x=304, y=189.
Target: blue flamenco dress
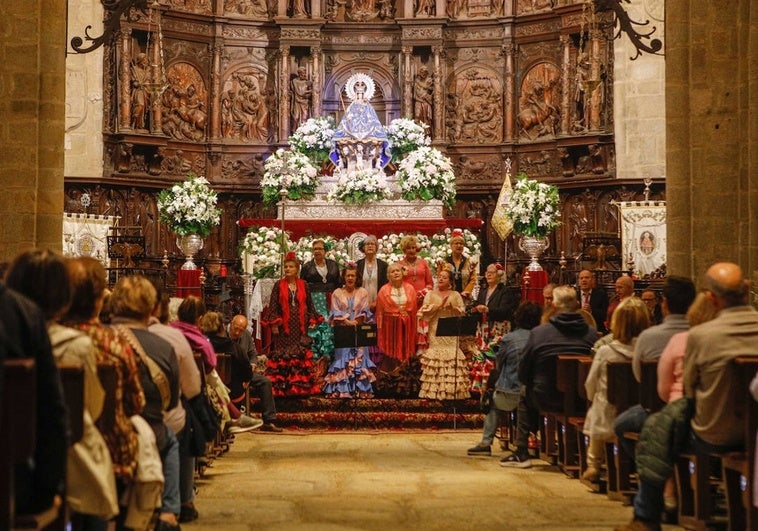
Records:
x=352, y=371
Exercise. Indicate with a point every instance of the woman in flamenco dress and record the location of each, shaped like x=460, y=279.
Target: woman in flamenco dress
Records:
x=289, y=314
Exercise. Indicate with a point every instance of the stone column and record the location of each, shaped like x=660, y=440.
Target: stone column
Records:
x=284, y=92
x=510, y=90
x=125, y=75
x=407, y=82
x=215, y=95
x=317, y=80
x=711, y=153
x=566, y=80
x=439, y=94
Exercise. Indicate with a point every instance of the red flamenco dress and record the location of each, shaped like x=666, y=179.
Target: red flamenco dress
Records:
x=290, y=363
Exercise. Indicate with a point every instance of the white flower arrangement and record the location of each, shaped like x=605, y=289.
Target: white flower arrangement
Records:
x=265, y=245
x=189, y=207
x=362, y=187
x=291, y=171
x=405, y=136
x=314, y=138
x=427, y=174
x=533, y=207
x=336, y=249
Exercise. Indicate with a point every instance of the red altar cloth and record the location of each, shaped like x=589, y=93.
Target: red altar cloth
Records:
x=533, y=290
x=188, y=283
x=380, y=227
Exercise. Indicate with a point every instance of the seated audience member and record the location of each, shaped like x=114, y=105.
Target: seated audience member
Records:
x=548, y=308
x=630, y=318
x=566, y=332
x=592, y=299
x=190, y=314
x=43, y=277
x=707, y=379
x=259, y=385
x=88, y=284
x=39, y=482
x=132, y=304
x=190, y=387
x=503, y=381
x=650, y=298
x=624, y=289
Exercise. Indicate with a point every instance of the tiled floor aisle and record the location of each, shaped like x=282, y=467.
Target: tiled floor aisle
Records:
x=351, y=481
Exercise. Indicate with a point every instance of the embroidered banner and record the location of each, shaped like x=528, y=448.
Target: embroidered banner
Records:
x=85, y=235
x=643, y=235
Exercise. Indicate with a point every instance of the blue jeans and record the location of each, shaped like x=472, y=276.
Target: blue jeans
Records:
x=171, y=500
x=630, y=420
x=491, y=423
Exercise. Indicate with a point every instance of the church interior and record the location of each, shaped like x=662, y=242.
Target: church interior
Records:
x=626, y=106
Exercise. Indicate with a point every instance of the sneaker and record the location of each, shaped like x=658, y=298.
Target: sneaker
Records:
x=244, y=423
x=516, y=460
x=271, y=427
x=592, y=475
x=480, y=450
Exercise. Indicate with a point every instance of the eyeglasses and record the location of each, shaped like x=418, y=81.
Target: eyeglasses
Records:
x=318, y=249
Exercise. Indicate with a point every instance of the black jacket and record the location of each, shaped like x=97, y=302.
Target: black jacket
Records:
x=502, y=303
x=598, y=306
x=381, y=267
x=566, y=333
x=316, y=283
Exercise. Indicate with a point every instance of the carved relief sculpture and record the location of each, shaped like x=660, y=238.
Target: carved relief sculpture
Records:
x=475, y=108
x=251, y=8
x=581, y=93
x=302, y=91
x=423, y=89
x=299, y=9
x=183, y=110
x=539, y=115
x=140, y=74
x=425, y=8
x=244, y=114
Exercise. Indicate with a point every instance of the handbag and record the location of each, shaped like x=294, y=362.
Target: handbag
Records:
x=205, y=415
x=193, y=439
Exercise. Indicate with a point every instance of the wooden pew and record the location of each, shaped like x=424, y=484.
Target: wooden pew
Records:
x=72, y=378
x=574, y=409
x=585, y=364
x=17, y=429
x=648, y=387
x=623, y=393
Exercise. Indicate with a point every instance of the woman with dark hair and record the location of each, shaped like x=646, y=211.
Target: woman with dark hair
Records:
x=503, y=382
x=190, y=312
x=290, y=313
x=352, y=371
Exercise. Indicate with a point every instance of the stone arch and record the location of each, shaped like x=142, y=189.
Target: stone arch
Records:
x=474, y=106
x=386, y=100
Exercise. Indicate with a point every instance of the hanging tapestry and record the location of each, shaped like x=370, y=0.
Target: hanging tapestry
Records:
x=643, y=235
x=85, y=235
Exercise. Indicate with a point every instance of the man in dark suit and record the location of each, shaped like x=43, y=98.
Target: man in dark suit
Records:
x=592, y=299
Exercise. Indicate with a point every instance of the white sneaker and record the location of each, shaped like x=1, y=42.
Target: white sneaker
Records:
x=244, y=423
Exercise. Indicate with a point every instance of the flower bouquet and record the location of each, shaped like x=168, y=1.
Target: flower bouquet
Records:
x=427, y=174
x=292, y=172
x=406, y=136
x=533, y=208
x=362, y=187
x=314, y=138
x=265, y=246
x=189, y=207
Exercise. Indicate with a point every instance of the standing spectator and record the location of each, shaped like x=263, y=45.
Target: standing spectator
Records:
x=258, y=384
x=650, y=298
x=372, y=271
x=396, y=317
x=503, y=380
x=461, y=267
x=593, y=299
x=323, y=277
x=416, y=271
x=566, y=332
x=629, y=320
x=708, y=380
x=39, y=481
x=624, y=288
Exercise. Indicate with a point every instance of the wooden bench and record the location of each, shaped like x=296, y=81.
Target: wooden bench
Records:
x=574, y=409
x=623, y=393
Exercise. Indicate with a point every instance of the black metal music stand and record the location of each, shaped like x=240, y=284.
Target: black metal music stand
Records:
x=464, y=325
x=355, y=336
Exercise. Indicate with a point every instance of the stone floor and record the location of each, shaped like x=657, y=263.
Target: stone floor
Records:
x=379, y=481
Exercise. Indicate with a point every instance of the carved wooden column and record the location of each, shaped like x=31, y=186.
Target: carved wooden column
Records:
x=215, y=96
x=566, y=71
x=156, y=80
x=281, y=8
x=284, y=92
x=125, y=75
x=594, y=83
x=316, y=79
x=439, y=94
x=407, y=82
x=510, y=90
